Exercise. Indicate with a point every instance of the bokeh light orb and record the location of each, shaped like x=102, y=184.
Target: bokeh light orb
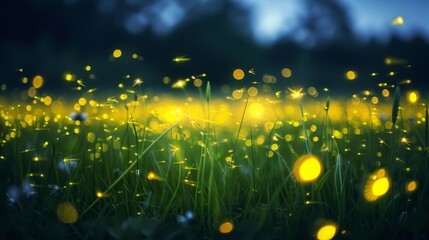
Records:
x=307, y=168
x=226, y=227
x=377, y=185
x=238, y=74
x=326, y=231
x=413, y=96
x=117, y=53
x=67, y=213
x=411, y=186
x=351, y=75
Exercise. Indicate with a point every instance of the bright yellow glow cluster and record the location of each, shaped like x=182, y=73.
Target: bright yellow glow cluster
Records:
x=226, y=227
x=238, y=74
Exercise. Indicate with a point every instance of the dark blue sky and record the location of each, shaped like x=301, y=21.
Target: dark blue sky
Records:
x=319, y=40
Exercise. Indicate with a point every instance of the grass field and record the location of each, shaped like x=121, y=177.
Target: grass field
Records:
x=254, y=164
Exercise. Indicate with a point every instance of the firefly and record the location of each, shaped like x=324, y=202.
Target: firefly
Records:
x=181, y=59
x=137, y=81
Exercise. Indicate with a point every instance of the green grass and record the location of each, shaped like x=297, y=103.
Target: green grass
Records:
x=167, y=169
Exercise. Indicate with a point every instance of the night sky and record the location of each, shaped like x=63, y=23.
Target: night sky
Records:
x=318, y=40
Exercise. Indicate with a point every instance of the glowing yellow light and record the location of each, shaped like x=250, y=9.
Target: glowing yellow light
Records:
x=117, y=53
x=166, y=80
x=286, y=72
x=411, y=186
x=296, y=94
x=275, y=147
x=307, y=168
x=181, y=59
x=82, y=101
x=326, y=232
x=351, y=75
x=137, y=81
x=337, y=134
x=380, y=186
x=238, y=74
x=256, y=110
x=237, y=94
x=179, y=84
x=405, y=140
x=99, y=194
x=226, y=227
x=37, y=81
x=90, y=137
x=47, y=101
x=68, y=77
x=88, y=68
x=198, y=82
x=268, y=78
x=377, y=185
x=413, y=97
x=399, y=20
x=252, y=91
x=123, y=96
x=67, y=213
x=153, y=176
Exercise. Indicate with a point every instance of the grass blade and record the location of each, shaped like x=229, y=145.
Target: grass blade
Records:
x=132, y=165
x=395, y=107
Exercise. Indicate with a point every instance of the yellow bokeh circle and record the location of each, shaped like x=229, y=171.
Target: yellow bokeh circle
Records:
x=307, y=168
x=67, y=213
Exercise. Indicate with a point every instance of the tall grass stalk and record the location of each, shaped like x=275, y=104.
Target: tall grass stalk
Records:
x=307, y=141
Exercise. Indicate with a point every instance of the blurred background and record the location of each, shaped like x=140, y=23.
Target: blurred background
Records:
x=383, y=41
